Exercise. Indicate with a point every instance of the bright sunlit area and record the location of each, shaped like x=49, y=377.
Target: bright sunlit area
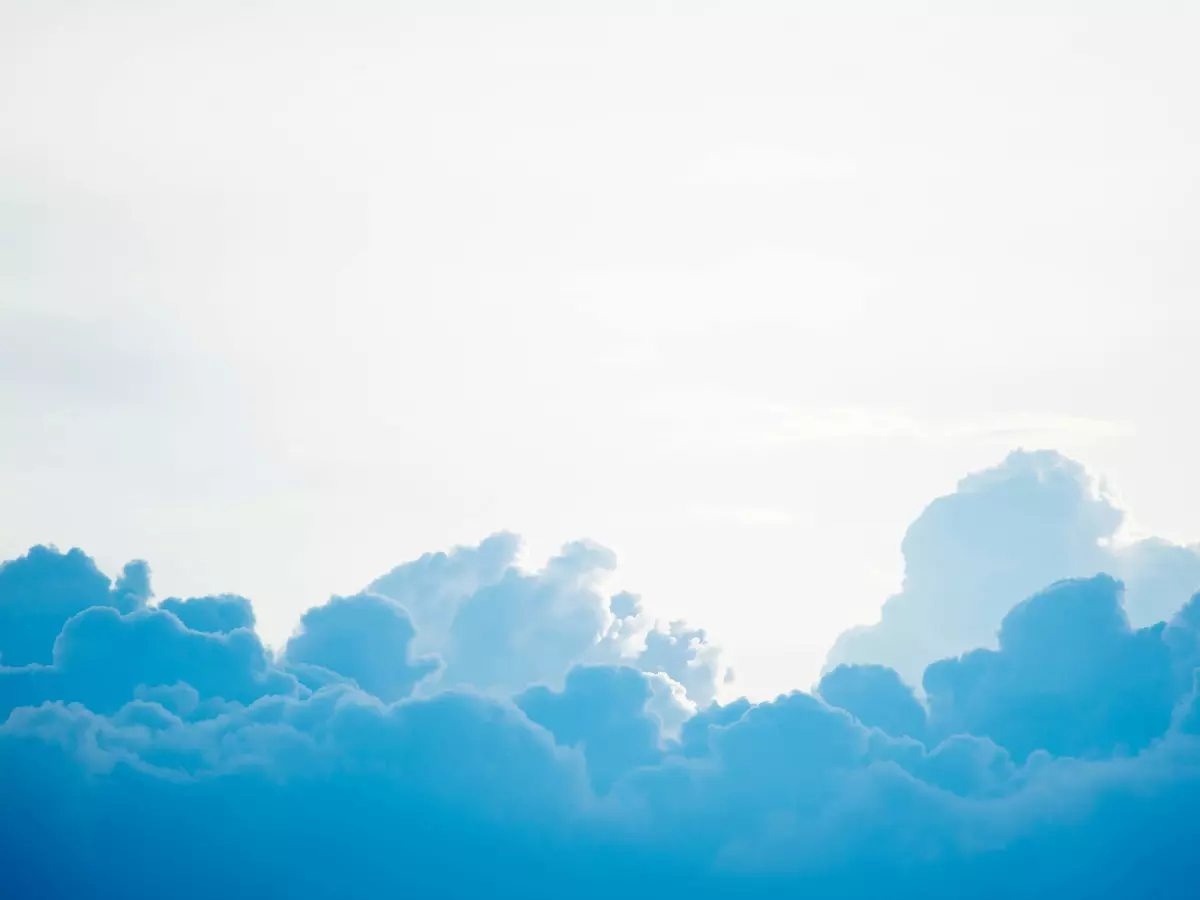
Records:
x=745, y=438
x=290, y=298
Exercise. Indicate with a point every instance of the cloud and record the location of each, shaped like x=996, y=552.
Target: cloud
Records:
x=214, y=615
x=1158, y=576
x=696, y=733
x=500, y=629
x=433, y=587
x=606, y=712
x=1005, y=533
x=1070, y=677
x=163, y=750
x=1182, y=635
x=44, y=588
x=365, y=638
x=686, y=655
x=102, y=658
x=670, y=704
x=877, y=697
x=332, y=796
x=527, y=629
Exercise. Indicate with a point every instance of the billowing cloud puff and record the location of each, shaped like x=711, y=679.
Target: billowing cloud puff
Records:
x=44, y=588
x=688, y=657
x=1005, y=533
x=696, y=733
x=1070, y=677
x=334, y=796
x=1182, y=636
x=877, y=697
x=500, y=629
x=683, y=654
x=154, y=752
x=605, y=711
x=433, y=587
x=365, y=638
x=526, y=629
x=670, y=704
x=101, y=658
x=215, y=615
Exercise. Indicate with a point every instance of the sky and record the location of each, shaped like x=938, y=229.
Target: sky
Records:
x=562, y=450
x=293, y=293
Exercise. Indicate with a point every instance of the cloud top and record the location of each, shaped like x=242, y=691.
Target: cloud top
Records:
x=543, y=739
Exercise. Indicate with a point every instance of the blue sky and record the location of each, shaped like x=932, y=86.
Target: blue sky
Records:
x=748, y=447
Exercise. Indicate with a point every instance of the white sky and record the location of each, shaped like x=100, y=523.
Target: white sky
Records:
x=292, y=292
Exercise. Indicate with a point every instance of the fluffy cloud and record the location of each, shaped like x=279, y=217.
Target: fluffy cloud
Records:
x=215, y=615
x=605, y=711
x=337, y=795
x=433, y=587
x=150, y=751
x=1070, y=677
x=101, y=658
x=44, y=588
x=500, y=629
x=365, y=638
x=688, y=657
x=1007, y=532
x=877, y=697
x=526, y=629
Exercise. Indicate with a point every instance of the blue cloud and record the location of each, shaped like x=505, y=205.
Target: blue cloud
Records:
x=365, y=638
x=687, y=656
x=44, y=588
x=215, y=615
x=606, y=712
x=164, y=751
x=1004, y=534
x=877, y=697
x=527, y=629
x=1070, y=677
x=102, y=658
x=500, y=629
x=433, y=587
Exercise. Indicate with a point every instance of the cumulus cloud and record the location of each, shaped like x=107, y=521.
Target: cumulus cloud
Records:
x=1182, y=635
x=526, y=629
x=687, y=655
x=605, y=711
x=149, y=751
x=101, y=658
x=365, y=638
x=1007, y=532
x=216, y=615
x=334, y=796
x=44, y=588
x=877, y=697
x=1070, y=677
x=681, y=653
x=500, y=629
x=433, y=587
